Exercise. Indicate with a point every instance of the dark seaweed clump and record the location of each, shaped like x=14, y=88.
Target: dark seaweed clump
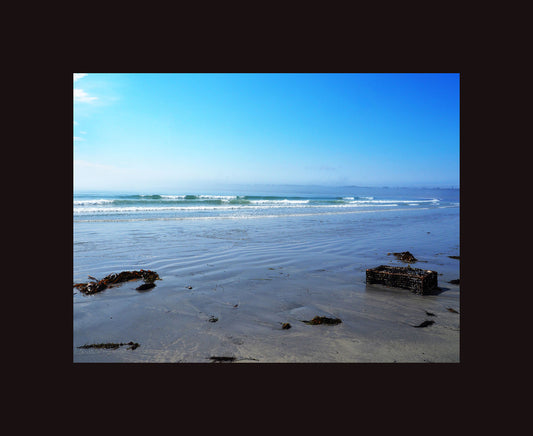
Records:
x=145, y=286
x=405, y=256
x=113, y=279
x=323, y=320
x=222, y=358
x=112, y=345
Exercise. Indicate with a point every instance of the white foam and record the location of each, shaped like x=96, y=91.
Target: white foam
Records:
x=276, y=202
x=361, y=198
x=199, y=197
x=376, y=202
x=263, y=206
x=99, y=201
x=231, y=217
x=217, y=197
x=173, y=197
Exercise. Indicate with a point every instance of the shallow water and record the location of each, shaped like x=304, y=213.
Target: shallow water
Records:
x=255, y=274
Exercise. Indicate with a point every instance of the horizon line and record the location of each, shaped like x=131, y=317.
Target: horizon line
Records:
x=206, y=184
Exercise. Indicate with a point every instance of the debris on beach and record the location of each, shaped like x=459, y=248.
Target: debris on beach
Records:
x=286, y=326
x=430, y=314
x=113, y=279
x=454, y=257
x=454, y=282
x=112, y=346
x=219, y=359
x=212, y=319
x=323, y=320
x=145, y=286
x=418, y=280
x=404, y=256
x=449, y=309
x=424, y=324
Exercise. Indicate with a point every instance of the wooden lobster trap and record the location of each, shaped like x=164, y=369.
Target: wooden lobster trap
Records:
x=420, y=281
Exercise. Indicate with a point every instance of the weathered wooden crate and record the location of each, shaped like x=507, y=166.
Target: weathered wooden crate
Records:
x=420, y=281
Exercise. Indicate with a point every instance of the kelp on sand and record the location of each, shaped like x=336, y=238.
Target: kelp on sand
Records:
x=113, y=279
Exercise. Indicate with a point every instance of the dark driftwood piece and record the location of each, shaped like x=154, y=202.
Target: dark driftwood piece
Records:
x=420, y=281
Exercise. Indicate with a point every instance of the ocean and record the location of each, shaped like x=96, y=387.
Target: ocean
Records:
x=257, y=256
x=250, y=203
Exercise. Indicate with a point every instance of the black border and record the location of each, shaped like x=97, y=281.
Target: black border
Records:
x=412, y=381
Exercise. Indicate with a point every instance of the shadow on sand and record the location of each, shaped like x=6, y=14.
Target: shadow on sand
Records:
x=378, y=287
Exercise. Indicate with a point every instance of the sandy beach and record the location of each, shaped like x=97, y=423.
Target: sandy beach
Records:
x=229, y=285
x=217, y=217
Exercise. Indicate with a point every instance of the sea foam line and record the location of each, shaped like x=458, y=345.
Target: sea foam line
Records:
x=433, y=200
x=99, y=201
x=275, y=202
x=238, y=217
x=130, y=209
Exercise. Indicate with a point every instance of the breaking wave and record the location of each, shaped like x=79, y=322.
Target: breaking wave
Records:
x=201, y=205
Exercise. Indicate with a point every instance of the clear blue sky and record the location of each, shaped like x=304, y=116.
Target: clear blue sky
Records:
x=172, y=131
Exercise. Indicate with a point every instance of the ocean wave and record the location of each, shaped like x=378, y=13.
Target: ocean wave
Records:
x=189, y=204
x=193, y=197
x=178, y=197
x=217, y=197
x=142, y=196
x=98, y=201
x=357, y=197
x=173, y=197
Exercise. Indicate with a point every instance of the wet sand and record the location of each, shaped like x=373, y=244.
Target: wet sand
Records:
x=254, y=275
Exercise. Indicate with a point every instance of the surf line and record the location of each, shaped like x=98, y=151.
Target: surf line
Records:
x=234, y=217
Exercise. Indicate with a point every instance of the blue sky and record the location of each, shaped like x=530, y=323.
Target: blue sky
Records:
x=177, y=131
